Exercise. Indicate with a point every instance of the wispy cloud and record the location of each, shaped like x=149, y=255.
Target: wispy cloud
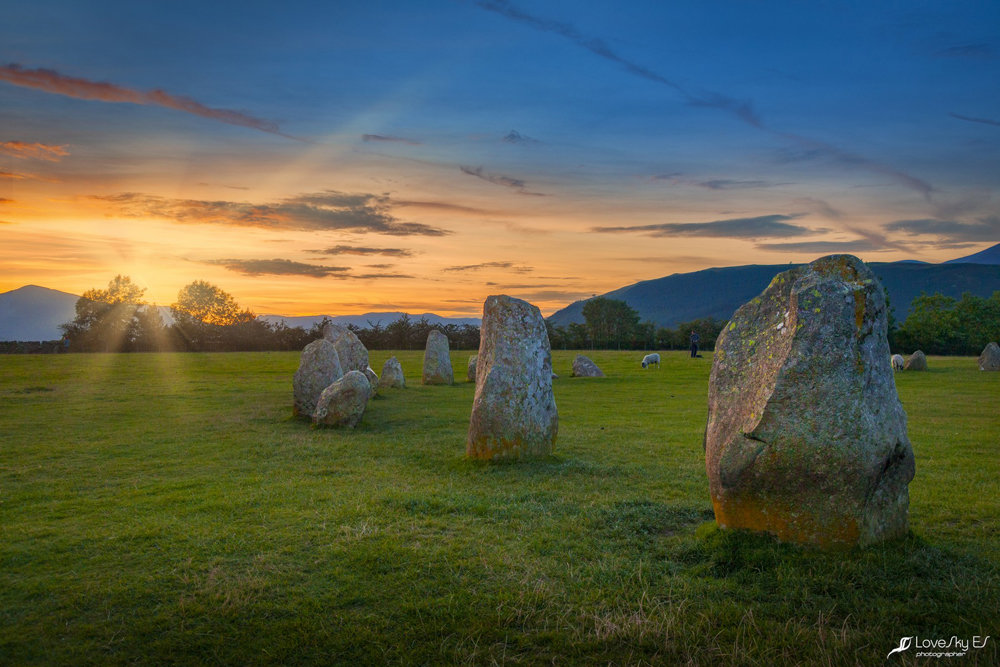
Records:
x=825, y=247
x=820, y=207
x=764, y=226
x=718, y=183
x=381, y=276
x=515, y=137
x=4, y=200
x=33, y=150
x=308, y=212
x=973, y=119
x=389, y=138
x=498, y=179
x=277, y=267
x=985, y=229
x=360, y=250
x=741, y=109
x=12, y=176
x=491, y=265
x=52, y=81
x=439, y=206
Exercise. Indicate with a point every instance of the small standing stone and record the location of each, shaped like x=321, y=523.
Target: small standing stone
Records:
x=916, y=362
x=392, y=374
x=585, y=368
x=514, y=412
x=989, y=360
x=319, y=367
x=343, y=402
x=470, y=372
x=437, y=361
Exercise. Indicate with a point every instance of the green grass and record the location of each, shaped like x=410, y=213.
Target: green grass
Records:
x=166, y=509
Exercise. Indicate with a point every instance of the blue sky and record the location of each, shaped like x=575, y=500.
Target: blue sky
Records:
x=450, y=150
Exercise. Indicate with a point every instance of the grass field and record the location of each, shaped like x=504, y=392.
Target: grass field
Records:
x=166, y=509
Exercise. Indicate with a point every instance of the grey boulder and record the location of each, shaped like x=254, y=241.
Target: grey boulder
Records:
x=343, y=402
x=392, y=374
x=437, y=361
x=319, y=367
x=989, y=360
x=585, y=368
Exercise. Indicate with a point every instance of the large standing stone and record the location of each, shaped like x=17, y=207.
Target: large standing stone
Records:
x=806, y=437
x=470, y=369
x=392, y=374
x=437, y=361
x=989, y=360
x=916, y=362
x=353, y=353
x=585, y=368
x=343, y=402
x=514, y=412
x=319, y=367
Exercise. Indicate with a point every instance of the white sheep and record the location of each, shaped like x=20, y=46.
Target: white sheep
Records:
x=651, y=359
x=897, y=362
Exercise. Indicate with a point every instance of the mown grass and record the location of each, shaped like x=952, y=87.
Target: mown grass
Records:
x=166, y=509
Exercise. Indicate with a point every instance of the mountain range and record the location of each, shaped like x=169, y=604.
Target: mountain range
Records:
x=32, y=313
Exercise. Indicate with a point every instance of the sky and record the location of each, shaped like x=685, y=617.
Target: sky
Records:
x=356, y=156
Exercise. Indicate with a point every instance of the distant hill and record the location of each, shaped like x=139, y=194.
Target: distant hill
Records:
x=719, y=292
x=32, y=313
x=988, y=256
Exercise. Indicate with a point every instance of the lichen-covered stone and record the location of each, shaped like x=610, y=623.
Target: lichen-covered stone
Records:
x=806, y=437
x=319, y=367
x=470, y=369
x=437, y=361
x=585, y=368
x=514, y=411
x=372, y=378
x=343, y=402
x=989, y=360
x=916, y=362
x=353, y=353
x=392, y=374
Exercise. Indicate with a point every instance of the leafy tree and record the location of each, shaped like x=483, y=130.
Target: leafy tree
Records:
x=610, y=322
x=114, y=320
x=208, y=318
x=939, y=324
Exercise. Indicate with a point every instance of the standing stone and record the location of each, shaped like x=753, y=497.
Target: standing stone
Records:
x=318, y=369
x=343, y=402
x=470, y=372
x=806, y=437
x=353, y=353
x=392, y=374
x=372, y=378
x=585, y=368
x=989, y=360
x=514, y=412
x=916, y=362
x=437, y=362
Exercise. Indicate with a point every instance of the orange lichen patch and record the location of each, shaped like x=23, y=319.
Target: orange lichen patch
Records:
x=860, y=302
x=800, y=526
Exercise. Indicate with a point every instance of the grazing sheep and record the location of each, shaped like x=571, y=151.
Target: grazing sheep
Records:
x=897, y=362
x=651, y=359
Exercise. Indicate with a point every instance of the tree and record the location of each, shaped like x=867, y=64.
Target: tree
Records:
x=114, y=320
x=610, y=322
x=208, y=318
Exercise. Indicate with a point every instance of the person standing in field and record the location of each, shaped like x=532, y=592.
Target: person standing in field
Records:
x=695, y=338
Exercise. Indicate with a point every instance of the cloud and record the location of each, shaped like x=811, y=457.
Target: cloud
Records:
x=764, y=226
x=52, y=81
x=515, y=137
x=12, y=176
x=308, y=212
x=356, y=250
x=439, y=206
x=986, y=229
x=389, y=138
x=716, y=184
x=491, y=265
x=741, y=109
x=819, y=206
x=973, y=119
x=372, y=276
x=825, y=247
x=278, y=267
x=4, y=200
x=498, y=179
x=33, y=150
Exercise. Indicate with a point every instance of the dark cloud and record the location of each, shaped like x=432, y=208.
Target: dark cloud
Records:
x=985, y=229
x=819, y=206
x=53, y=82
x=33, y=150
x=515, y=137
x=727, y=184
x=825, y=247
x=278, y=267
x=498, y=179
x=389, y=138
x=309, y=212
x=966, y=51
x=360, y=250
x=372, y=276
x=380, y=266
x=4, y=200
x=491, y=265
x=973, y=119
x=231, y=187
x=764, y=226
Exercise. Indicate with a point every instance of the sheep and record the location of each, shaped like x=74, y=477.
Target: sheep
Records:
x=897, y=362
x=651, y=359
